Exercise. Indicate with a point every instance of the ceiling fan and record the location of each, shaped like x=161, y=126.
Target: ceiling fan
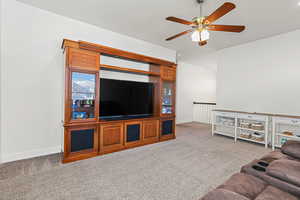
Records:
x=202, y=24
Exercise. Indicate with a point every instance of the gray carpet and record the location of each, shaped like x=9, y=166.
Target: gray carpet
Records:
x=185, y=168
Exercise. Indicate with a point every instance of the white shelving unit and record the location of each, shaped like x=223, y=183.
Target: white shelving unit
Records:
x=283, y=129
x=224, y=123
x=240, y=126
x=253, y=128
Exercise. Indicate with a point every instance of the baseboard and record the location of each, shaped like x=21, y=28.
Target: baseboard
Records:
x=30, y=154
x=183, y=122
x=207, y=123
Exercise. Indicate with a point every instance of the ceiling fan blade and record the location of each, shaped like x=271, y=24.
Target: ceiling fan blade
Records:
x=179, y=34
x=220, y=12
x=202, y=43
x=226, y=28
x=181, y=21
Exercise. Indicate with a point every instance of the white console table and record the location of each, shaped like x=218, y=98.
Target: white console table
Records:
x=250, y=127
x=254, y=127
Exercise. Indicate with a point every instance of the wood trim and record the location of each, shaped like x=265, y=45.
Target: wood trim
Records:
x=123, y=54
x=255, y=113
x=69, y=43
x=204, y=103
x=129, y=70
x=109, y=122
x=79, y=157
x=134, y=143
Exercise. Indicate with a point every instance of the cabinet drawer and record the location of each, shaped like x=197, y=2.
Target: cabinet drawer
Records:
x=287, y=121
x=225, y=114
x=252, y=117
x=168, y=73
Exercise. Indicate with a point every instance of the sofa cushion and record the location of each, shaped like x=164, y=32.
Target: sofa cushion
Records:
x=286, y=170
x=275, y=155
x=220, y=194
x=245, y=185
x=291, y=148
x=272, y=193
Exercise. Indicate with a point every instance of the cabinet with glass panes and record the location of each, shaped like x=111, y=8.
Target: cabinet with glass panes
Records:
x=168, y=90
x=83, y=95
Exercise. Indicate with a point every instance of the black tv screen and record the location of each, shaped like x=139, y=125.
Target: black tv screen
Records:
x=125, y=99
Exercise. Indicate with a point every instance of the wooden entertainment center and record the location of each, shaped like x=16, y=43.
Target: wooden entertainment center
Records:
x=85, y=135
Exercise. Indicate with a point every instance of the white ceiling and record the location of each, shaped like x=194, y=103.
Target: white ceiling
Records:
x=145, y=20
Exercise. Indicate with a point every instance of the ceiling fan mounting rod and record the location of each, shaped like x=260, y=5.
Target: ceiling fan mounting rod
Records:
x=199, y=19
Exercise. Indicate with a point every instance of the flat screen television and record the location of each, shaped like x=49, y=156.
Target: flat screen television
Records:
x=125, y=99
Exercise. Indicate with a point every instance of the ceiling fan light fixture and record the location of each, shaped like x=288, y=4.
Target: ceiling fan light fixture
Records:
x=199, y=36
x=204, y=35
x=196, y=37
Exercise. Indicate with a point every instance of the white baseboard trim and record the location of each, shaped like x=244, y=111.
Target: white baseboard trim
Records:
x=202, y=122
x=183, y=122
x=30, y=154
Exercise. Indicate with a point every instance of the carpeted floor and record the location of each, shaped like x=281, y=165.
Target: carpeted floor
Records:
x=185, y=168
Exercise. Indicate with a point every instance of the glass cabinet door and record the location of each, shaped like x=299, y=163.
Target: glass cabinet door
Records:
x=83, y=95
x=167, y=97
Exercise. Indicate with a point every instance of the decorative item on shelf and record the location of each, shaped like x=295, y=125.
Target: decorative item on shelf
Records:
x=165, y=91
x=283, y=140
x=245, y=125
x=164, y=110
x=258, y=136
x=228, y=122
x=79, y=115
x=257, y=126
x=288, y=133
x=246, y=134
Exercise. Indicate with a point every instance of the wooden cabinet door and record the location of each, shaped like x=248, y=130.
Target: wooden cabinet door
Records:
x=83, y=60
x=150, y=131
x=111, y=137
x=167, y=129
x=80, y=142
x=133, y=133
x=168, y=73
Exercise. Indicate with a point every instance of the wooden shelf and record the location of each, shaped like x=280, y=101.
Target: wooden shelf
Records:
x=128, y=70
